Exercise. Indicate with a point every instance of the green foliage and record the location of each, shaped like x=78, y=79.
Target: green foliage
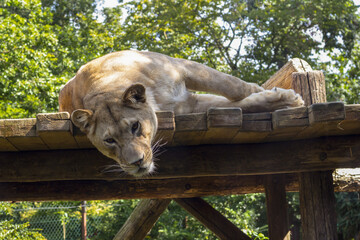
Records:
x=44, y=42
x=348, y=214
x=9, y=230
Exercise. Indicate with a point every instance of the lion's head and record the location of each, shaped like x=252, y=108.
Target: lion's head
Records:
x=121, y=127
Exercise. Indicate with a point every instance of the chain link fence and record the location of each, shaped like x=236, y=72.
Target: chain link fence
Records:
x=57, y=221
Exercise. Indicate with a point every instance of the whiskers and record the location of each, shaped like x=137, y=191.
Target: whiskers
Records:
x=113, y=168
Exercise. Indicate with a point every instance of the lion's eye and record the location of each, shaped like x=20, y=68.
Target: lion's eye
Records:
x=109, y=140
x=135, y=127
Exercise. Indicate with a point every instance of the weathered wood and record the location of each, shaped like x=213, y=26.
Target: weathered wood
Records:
x=190, y=129
x=21, y=133
x=212, y=219
x=189, y=161
x=166, y=126
x=276, y=207
x=142, y=219
x=310, y=85
x=6, y=146
x=283, y=77
x=152, y=188
x=55, y=129
x=130, y=189
x=293, y=117
x=326, y=112
x=223, y=124
x=317, y=201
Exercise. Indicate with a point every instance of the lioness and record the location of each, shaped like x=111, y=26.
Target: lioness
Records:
x=113, y=100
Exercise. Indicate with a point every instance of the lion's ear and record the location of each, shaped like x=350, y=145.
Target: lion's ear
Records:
x=134, y=95
x=82, y=118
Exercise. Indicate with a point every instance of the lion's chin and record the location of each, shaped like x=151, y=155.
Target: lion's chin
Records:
x=141, y=171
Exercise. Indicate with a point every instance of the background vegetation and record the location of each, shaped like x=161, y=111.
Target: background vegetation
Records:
x=44, y=42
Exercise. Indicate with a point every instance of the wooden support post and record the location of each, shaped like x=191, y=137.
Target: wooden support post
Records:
x=317, y=199
x=83, y=221
x=211, y=218
x=142, y=219
x=276, y=206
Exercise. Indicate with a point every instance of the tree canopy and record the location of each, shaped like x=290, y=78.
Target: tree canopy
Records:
x=44, y=42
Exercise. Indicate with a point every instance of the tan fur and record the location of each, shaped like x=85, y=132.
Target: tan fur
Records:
x=109, y=95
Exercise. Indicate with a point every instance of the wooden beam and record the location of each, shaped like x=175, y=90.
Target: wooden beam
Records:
x=317, y=201
x=212, y=219
x=191, y=161
x=276, y=207
x=142, y=219
x=153, y=188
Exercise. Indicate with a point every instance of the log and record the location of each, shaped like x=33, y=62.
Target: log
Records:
x=211, y=218
x=142, y=219
x=276, y=207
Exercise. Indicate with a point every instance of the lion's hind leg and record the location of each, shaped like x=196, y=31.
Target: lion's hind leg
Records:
x=271, y=100
x=265, y=101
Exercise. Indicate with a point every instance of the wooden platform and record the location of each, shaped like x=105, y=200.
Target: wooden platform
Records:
x=220, y=152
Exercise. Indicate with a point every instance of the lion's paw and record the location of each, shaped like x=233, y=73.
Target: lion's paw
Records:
x=271, y=100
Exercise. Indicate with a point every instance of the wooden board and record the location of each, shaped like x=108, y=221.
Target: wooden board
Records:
x=189, y=161
x=223, y=124
x=56, y=130
x=21, y=134
x=151, y=188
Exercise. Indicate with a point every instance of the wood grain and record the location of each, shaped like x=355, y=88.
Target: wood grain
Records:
x=189, y=161
x=283, y=77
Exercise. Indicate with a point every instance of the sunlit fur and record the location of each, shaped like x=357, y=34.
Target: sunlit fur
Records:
x=111, y=93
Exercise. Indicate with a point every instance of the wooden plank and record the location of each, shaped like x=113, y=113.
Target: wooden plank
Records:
x=351, y=123
x=190, y=129
x=212, y=219
x=283, y=77
x=166, y=127
x=55, y=129
x=189, y=161
x=276, y=207
x=325, y=120
x=81, y=139
x=326, y=112
x=223, y=124
x=142, y=219
x=292, y=117
x=21, y=133
x=6, y=146
x=255, y=128
x=318, y=217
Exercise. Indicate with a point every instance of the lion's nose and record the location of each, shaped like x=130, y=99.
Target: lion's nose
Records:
x=138, y=162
